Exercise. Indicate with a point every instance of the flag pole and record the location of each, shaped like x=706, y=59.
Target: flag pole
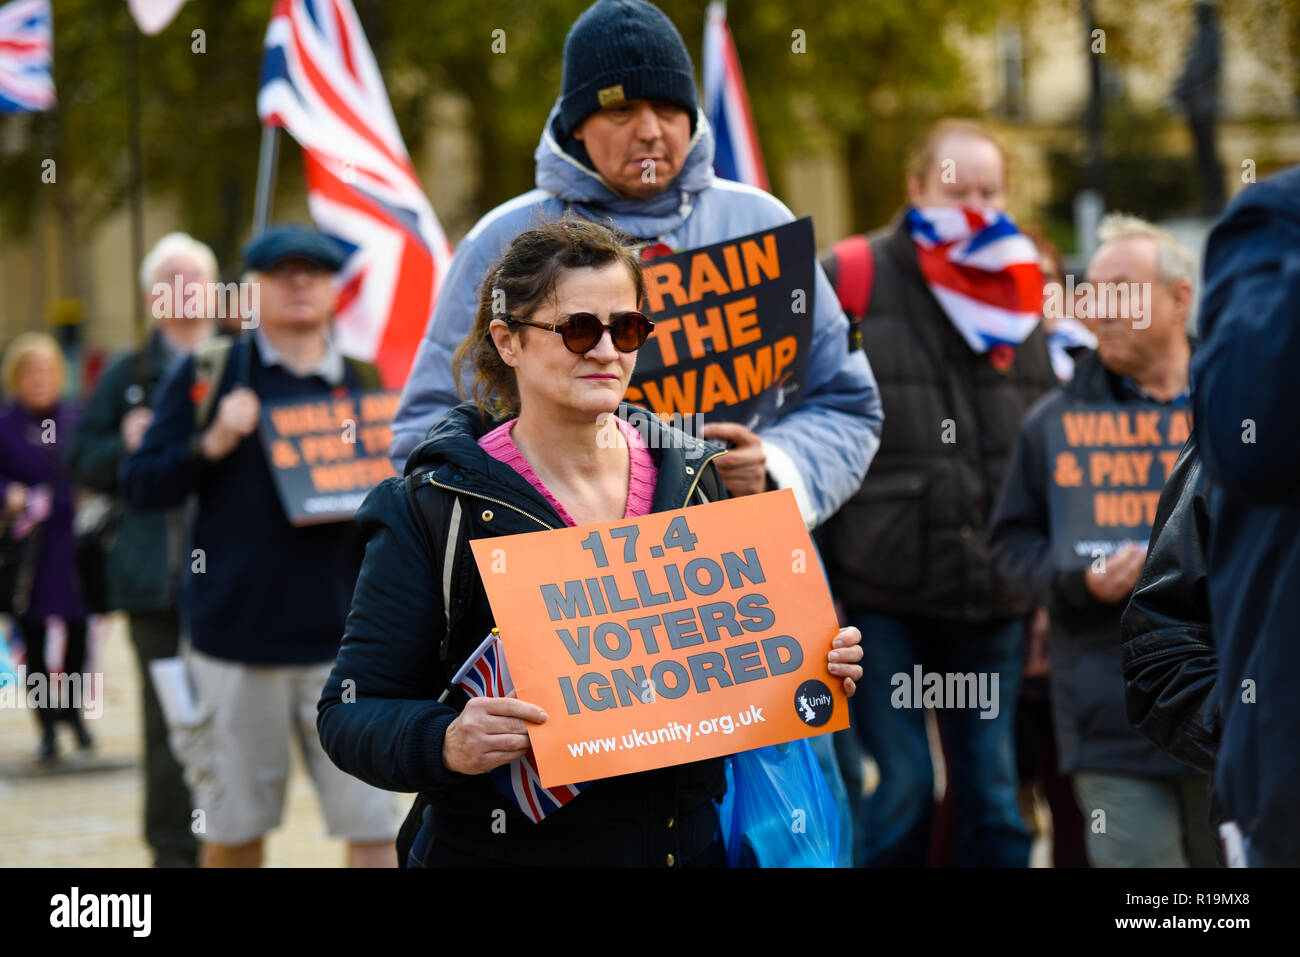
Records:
x=268, y=160
x=135, y=190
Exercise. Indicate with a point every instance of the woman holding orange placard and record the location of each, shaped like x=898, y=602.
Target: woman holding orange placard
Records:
x=545, y=443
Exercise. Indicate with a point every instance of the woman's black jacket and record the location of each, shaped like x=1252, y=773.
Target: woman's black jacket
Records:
x=379, y=718
x=1170, y=667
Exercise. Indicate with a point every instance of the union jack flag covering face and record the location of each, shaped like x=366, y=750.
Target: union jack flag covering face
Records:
x=26, y=57
x=982, y=270
x=320, y=82
x=485, y=673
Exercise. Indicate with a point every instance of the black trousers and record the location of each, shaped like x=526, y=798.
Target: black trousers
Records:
x=167, y=805
x=74, y=661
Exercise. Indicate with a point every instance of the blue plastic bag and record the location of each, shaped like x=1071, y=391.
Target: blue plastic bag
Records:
x=8, y=672
x=778, y=810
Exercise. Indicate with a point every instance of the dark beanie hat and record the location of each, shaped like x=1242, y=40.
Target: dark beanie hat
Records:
x=623, y=50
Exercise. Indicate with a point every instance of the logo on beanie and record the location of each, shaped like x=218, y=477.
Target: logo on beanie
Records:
x=813, y=703
x=611, y=96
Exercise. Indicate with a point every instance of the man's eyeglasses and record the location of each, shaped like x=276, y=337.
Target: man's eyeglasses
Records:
x=582, y=331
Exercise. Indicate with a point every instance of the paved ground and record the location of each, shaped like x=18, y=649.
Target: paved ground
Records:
x=87, y=811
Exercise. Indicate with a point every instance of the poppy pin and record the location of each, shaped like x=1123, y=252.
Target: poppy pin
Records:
x=1001, y=356
x=655, y=250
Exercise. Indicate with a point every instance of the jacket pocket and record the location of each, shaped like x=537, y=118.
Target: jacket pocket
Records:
x=879, y=538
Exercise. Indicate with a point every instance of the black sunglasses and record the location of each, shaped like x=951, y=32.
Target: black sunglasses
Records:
x=582, y=331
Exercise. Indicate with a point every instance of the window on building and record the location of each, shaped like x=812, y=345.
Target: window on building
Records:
x=1011, y=72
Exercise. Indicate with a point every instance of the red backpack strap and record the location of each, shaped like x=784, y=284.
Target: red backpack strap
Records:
x=855, y=274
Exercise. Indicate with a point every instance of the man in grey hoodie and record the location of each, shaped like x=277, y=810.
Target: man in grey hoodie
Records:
x=628, y=146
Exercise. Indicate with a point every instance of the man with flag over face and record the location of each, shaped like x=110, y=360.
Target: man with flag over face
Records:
x=948, y=303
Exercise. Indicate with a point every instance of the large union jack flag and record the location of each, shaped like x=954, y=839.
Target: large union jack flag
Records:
x=736, y=154
x=982, y=271
x=320, y=82
x=485, y=673
x=26, y=57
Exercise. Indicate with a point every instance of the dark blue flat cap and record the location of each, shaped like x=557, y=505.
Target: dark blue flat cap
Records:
x=293, y=241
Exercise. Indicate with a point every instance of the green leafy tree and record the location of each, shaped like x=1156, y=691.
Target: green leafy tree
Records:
x=862, y=77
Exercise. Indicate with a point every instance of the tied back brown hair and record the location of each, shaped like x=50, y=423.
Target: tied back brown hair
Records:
x=524, y=279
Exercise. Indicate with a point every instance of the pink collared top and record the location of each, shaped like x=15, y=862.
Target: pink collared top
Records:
x=642, y=473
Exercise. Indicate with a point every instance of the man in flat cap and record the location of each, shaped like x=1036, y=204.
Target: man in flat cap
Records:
x=263, y=602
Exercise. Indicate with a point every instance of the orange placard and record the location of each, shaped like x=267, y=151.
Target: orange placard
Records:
x=665, y=639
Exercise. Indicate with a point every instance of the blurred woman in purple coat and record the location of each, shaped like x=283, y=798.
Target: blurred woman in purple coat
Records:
x=37, y=499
